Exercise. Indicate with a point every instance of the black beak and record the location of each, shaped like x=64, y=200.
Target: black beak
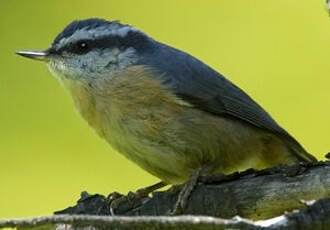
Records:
x=36, y=55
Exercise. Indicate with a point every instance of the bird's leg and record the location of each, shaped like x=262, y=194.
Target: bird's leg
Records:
x=185, y=192
x=116, y=199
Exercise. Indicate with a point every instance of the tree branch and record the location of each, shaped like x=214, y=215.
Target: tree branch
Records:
x=252, y=194
x=314, y=217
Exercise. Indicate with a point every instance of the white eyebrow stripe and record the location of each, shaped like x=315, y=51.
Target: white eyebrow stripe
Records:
x=101, y=31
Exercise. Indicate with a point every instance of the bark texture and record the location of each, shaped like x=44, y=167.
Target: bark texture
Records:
x=252, y=194
x=269, y=199
x=314, y=217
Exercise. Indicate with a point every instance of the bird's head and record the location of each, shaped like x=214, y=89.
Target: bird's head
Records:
x=93, y=48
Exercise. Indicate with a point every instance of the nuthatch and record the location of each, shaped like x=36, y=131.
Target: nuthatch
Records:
x=163, y=109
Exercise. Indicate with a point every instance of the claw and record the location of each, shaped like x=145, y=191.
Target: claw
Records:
x=116, y=202
x=112, y=197
x=116, y=199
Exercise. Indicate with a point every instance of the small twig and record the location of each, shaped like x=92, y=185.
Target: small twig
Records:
x=314, y=217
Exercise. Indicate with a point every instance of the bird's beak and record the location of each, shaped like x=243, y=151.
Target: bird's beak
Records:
x=36, y=55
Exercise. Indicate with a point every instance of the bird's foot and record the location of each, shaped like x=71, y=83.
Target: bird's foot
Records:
x=116, y=199
x=186, y=190
x=133, y=199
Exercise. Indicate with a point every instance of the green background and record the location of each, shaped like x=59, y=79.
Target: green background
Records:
x=277, y=51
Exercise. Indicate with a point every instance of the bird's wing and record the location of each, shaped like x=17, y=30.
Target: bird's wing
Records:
x=206, y=89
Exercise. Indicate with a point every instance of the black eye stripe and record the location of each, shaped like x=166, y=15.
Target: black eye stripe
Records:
x=77, y=47
x=84, y=46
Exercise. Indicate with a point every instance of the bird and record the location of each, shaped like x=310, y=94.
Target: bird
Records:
x=163, y=109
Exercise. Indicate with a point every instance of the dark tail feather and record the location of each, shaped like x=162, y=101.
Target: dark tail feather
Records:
x=299, y=152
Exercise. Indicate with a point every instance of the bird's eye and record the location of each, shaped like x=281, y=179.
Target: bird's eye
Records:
x=82, y=47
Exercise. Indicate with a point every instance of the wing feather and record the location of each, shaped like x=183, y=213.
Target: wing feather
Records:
x=201, y=86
